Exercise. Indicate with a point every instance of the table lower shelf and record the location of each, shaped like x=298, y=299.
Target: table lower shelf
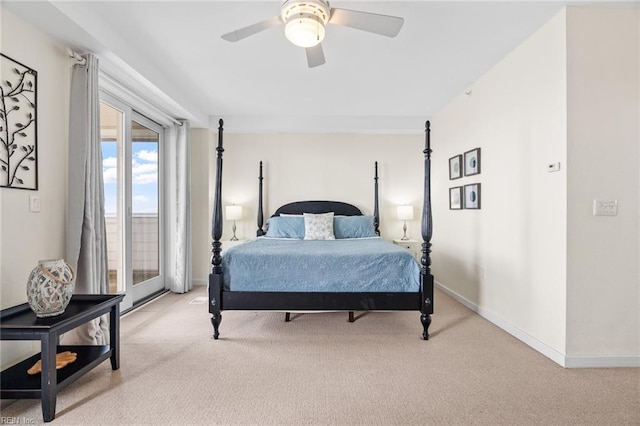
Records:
x=17, y=384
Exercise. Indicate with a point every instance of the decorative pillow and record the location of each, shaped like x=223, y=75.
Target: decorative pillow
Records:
x=318, y=226
x=285, y=227
x=354, y=227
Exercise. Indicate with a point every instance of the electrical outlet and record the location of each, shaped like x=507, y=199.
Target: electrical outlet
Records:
x=34, y=203
x=605, y=208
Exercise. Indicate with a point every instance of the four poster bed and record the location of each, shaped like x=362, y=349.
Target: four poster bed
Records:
x=320, y=256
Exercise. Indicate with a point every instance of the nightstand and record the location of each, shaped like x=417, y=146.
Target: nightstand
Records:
x=414, y=247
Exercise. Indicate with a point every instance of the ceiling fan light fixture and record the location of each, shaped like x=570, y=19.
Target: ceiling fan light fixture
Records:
x=304, y=21
x=304, y=30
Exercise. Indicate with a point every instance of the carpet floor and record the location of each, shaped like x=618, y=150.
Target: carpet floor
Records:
x=321, y=369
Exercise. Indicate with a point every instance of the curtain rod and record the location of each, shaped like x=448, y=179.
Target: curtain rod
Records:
x=76, y=56
x=112, y=85
x=116, y=83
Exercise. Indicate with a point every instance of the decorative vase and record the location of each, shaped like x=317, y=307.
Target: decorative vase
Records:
x=50, y=287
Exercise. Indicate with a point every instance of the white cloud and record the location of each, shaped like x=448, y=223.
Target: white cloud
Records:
x=145, y=178
x=144, y=168
x=109, y=169
x=144, y=173
x=145, y=155
x=110, y=162
x=110, y=175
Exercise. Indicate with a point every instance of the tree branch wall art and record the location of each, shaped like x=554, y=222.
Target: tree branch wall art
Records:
x=18, y=125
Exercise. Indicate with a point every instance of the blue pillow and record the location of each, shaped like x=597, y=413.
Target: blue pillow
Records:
x=353, y=227
x=285, y=227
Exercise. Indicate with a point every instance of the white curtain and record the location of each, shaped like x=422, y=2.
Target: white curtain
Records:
x=86, y=248
x=180, y=213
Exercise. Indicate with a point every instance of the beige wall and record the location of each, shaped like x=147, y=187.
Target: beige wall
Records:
x=28, y=237
x=509, y=258
x=334, y=167
x=316, y=166
x=535, y=260
x=603, y=144
x=302, y=167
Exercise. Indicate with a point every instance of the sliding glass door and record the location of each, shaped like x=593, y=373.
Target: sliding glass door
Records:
x=132, y=159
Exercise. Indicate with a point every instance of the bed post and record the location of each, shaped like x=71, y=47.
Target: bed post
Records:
x=376, y=210
x=260, y=231
x=426, y=278
x=215, y=277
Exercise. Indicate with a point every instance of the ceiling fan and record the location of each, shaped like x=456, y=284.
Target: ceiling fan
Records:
x=305, y=20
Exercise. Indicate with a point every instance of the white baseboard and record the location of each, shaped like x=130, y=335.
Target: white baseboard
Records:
x=200, y=282
x=557, y=357
x=601, y=361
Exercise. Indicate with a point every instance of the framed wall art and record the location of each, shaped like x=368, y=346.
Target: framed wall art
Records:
x=455, y=198
x=18, y=125
x=455, y=167
x=472, y=162
x=472, y=196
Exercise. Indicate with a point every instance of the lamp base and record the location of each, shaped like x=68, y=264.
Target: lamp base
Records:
x=234, y=238
x=404, y=229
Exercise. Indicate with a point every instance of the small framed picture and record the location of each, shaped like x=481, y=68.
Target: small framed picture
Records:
x=472, y=162
x=455, y=198
x=472, y=196
x=455, y=167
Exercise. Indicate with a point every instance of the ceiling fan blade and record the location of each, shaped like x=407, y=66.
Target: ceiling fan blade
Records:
x=252, y=29
x=315, y=55
x=372, y=22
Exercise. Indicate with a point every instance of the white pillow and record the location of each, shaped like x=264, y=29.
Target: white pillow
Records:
x=318, y=226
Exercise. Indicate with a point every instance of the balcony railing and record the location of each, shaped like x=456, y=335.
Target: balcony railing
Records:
x=145, y=246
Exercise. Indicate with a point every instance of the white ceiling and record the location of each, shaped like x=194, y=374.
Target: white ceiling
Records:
x=369, y=83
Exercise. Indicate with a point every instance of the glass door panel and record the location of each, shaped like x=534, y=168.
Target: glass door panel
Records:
x=132, y=173
x=144, y=200
x=146, y=212
x=112, y=137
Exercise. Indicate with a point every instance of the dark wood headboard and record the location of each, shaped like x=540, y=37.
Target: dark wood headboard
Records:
x=300, y=207
x=338, y=207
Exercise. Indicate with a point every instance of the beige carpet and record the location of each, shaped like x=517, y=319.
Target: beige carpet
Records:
x=320, y=369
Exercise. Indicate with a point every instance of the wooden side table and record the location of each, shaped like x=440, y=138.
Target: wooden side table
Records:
x=20, y=323
x=414, y=247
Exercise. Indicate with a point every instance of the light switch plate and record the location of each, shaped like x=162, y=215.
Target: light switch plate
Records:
x=605, y=208
x=34, y=203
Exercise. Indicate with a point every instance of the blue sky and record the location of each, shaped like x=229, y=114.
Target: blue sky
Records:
x=144, y=173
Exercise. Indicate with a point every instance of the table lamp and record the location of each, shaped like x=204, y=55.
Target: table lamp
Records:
x=405, y=213
x=234, y=213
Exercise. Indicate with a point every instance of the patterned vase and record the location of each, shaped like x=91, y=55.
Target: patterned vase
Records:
x=50, y=287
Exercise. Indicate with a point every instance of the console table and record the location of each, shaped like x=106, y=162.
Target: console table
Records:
x=20, y=323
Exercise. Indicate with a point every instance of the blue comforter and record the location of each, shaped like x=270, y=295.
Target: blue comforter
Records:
x=342, y=265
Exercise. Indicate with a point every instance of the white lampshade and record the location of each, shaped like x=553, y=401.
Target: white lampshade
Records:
x=304, y=30
x=234, y=212
x=405, y=212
